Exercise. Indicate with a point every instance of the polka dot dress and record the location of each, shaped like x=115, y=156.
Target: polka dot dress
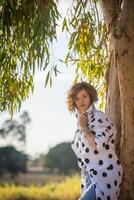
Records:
x=99, y=167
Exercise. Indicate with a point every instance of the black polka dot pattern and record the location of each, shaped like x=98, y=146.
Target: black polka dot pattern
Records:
x=100, y=121
x=104, y=174
x=118, y=162
x=96, y=152
x=95, y=172
x=111, y=135
x=73, y=142
x=93, y=120
x=92, y=116
x=110, y=167
x=107, y=147
x=83, y=144
x=112, y=141
x=92, y=126
x=108, y=186
x=115, y=182
x=86, y=160
x=101, y=161
x=103, y=144
x=87, y=150
x=93, y=132
x=103, y=133
x=82, y=185
x=82, y=163
x=109, y=127
x=110, y=155
x=102, y=193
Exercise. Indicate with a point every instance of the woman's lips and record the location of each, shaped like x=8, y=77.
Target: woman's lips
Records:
x=82, y=105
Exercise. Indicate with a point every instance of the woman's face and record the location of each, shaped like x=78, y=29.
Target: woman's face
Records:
x=82, y=100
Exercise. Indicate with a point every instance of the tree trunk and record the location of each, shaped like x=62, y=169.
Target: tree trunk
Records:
x=119, y=18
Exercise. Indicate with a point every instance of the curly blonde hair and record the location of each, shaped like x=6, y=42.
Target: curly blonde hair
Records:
x=71, y=95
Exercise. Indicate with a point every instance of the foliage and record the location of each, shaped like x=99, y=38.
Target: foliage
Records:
x=12, y=161
x=67, y=190
x=61, y=157
x=13, y=130
x=87, y=47
x=27, y=28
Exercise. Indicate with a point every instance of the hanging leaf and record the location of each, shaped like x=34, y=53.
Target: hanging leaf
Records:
x=87, y=46
x=27, y=29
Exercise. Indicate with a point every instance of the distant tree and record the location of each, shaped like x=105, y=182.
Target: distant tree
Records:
x=15, y=131
x=61, y=157
x=12, y=161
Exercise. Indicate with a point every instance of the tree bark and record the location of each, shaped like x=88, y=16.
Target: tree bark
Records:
x=119, y=18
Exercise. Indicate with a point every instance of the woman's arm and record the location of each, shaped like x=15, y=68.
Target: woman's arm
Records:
x=88, y=134
x=90, y=137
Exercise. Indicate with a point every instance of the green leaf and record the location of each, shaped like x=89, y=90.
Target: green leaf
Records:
x=47, y=78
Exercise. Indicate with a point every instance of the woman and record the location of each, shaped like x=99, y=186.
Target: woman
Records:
x=94, y=147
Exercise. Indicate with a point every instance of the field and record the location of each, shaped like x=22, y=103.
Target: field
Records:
x=54, y=188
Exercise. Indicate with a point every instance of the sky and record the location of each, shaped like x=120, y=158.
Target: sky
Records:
x=51, y=122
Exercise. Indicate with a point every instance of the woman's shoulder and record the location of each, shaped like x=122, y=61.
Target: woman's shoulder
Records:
x=102, y=115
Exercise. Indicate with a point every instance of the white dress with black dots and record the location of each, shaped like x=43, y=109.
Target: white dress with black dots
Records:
x=101, y=166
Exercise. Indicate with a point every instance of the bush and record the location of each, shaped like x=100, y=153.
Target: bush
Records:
x=67, y=190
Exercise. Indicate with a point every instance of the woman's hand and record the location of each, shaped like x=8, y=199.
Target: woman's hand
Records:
x=83, y=120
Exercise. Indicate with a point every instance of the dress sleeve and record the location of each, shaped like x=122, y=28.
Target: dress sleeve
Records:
x=85, y=180
x=104, y=131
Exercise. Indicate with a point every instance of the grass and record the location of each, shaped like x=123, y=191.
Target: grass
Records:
x=69, y=189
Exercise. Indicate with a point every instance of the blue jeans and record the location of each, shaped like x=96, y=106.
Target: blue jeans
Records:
x=89, y=193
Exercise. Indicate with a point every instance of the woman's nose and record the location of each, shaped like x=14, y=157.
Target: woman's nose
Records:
x=81, y=101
